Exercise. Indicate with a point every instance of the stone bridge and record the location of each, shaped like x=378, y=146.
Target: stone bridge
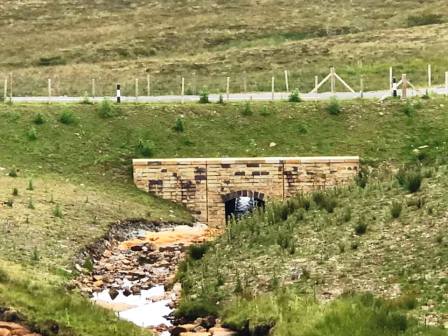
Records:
x=204, y=185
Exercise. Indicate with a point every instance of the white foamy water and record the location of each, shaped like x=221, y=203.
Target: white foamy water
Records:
x=142, y=311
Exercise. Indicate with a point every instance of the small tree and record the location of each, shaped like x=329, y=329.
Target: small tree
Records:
x=179, y=126
x=294, y=97
x=333, y=107
x=203, y=97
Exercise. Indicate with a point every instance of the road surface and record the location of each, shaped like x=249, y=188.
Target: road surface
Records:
x=233, y=97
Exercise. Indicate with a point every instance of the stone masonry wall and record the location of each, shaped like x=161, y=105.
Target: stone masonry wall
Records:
x=203, y=185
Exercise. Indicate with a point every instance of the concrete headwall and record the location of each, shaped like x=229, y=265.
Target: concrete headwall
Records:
x=203, y=185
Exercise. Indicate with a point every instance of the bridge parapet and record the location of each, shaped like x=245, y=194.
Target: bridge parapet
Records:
x=203, y=185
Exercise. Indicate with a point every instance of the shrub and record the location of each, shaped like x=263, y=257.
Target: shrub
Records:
x=9, y=203
x=179, y=125
x=4, y=277
x=196, y=252
x=67, y=118
x=35, y=255
x=39, y=119
x=221, y=99
x=57, y=212
x=410, y=179
x=408, y=109
x=145, y=148
x=247, y=110
x=12, y=172
x=15, y=192
x=347, y=215
x=203, y=97
x=51, y=60
x=362, y=178
x=361, y=228
x=395, y=209
x=303, y=129
x=106, y=110
x=334, y=108
x=424, y=19
x=30, y=185
x=324, y=201
x=294, y=97
x=88, y=264
x=31, y=204
x=32, y=134
x=86, y=100
x=194, y=308
x=265, y=111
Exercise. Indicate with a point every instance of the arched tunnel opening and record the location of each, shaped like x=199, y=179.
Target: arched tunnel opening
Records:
x=242, y=205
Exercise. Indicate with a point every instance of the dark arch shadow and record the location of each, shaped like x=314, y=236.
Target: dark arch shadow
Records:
x=239, y=203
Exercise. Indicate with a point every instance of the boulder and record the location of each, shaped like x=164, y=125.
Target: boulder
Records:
x=113, y=293
x=5, y=332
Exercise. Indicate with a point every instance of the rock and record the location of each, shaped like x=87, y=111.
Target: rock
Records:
x=127, y=292
x=4, y=332
x=137, y=248
x=219, y=331
x=272, y=144
x=188, y=326
x=176, y=331
x=113, y=293
x=208, y=322
x=136, y=290
x=10, y=325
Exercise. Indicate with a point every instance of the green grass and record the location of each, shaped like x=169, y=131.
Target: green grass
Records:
x=290, y=313
x=91, y=159
x=323, y=254
x=44, y=301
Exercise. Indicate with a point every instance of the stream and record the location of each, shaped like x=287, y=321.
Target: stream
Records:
x=135, y=277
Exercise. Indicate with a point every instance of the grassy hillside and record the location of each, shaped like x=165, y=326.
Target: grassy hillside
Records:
x=74, y=178
x=75, y=41
x=380, y=236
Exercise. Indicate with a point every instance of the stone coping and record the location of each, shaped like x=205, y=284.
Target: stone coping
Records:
x=259, y=160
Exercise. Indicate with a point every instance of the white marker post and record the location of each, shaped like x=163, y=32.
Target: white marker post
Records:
x=273, y=87
x=183, y=90
x=228, y=89
x=148, y=85
x=118, y=93
x=316, y=82
x=429, y=78
x=136, y=89
x=394, y=87
x=49, y=90
x=286, y=81
x=361, y=85
x=10, y=85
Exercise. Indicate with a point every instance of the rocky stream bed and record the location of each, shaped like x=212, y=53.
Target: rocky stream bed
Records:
x=132, y=271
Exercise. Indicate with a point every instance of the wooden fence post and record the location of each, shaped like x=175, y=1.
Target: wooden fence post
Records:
x=228, y=89
x=332, y=80
x=286, y=81
x=361, y=84
x=446, y=83
x=245, y=82
x=316, y=82
x=148, y=85
x=49, y=90
x=10, y=85
x=273, y=87
x=404, y=86
x=136, y=89
x=5, y=90
x=429, y=78
x=194, y=83
x=391, y=77
x=183, y=90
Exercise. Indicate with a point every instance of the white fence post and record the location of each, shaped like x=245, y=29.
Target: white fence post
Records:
x=361, y=84
x=136, y=89
x=404, y=86
x=391, y=78
x=273, y=87
x=332, y=80
x=228, y=89
x=148, y=85
x=5, y=89
x=429, y=78
x=286, y=81
x=183, y=90
x=49, y=90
